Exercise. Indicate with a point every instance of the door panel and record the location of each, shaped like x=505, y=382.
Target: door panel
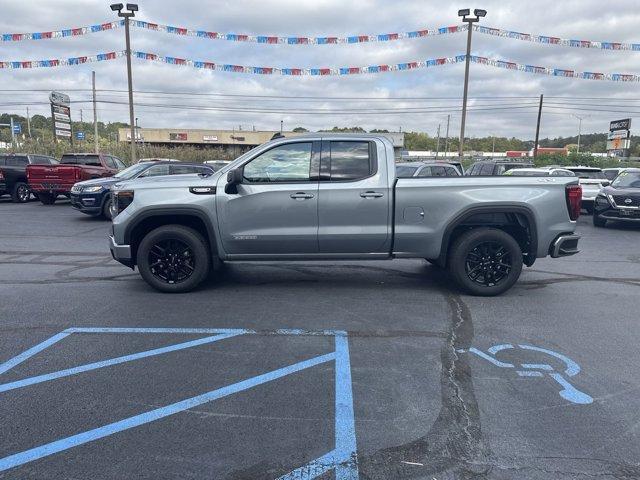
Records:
x=353, y=214
x=275, y=209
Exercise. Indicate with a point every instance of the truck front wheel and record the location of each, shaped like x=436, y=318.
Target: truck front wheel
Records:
x=173, y=259
x=485, y=261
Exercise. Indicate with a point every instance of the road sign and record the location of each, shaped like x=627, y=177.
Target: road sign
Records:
x=619, y=144
x=17, y=128
x=61, y=115
x=80, y=135
x=63, y=133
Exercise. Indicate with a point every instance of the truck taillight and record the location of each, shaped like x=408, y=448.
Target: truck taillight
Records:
x=574, y=200
x=76, y=173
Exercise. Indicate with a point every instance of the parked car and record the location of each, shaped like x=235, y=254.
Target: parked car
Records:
x=496, y=167
x=93, y=197
x=539, y=172
x=619, y=201
x=611, y=173
x=49, y=181
x=426, y=169
x=13, y=174
x=217, y=164
x=324, y=196
x=429, y=159
x=592, y=180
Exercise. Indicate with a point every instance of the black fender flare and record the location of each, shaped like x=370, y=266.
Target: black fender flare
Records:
x=469, y=212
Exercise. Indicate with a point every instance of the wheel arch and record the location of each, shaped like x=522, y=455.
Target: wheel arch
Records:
x=517, y=221
x=149, y=220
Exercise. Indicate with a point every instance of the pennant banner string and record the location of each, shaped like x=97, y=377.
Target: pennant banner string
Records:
x=324, y=40
x=322, y=71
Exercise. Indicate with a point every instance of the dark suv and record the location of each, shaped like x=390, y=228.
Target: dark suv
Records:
x=93, y=197
x=13, y=174
x=496, y=167
x=619, y=201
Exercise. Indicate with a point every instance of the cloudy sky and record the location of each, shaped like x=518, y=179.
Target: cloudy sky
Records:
x=438, y=90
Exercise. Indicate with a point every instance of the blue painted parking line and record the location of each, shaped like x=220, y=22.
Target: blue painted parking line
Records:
x=113, y=361
x=342, y=459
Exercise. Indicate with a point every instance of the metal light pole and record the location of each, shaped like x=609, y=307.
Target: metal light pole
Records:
x=132, y=8
x=446, y=142
x=438, y=142
x=96, y=140
x=465, y=14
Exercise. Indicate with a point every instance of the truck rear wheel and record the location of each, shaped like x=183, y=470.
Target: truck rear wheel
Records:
x=173, y=259
x=47, y=198
x=485, y=261
x=20, y=193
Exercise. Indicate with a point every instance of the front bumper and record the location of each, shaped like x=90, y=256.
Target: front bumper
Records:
x=605, y=210
x=120, y=253
x=565, y=245
x=90, y=204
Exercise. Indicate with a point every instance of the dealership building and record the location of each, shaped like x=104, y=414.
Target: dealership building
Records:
x=229, y=143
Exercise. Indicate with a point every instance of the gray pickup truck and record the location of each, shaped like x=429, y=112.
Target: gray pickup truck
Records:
x=336, y=197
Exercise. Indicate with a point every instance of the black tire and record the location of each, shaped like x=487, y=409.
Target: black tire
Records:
x=106, y=209
x=598, y=222
x=47, y=198
x=20, y=193
x=157, y=248
x=493, y=253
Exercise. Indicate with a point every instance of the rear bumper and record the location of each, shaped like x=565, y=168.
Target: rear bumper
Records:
x=565, y=245
x=120, y=253
x=51, y=187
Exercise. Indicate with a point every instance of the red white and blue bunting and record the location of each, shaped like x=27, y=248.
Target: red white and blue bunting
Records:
x=322, y=71
x=324, y=40
x=66, y=32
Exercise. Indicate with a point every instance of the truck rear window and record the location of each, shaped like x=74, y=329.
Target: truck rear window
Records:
x=80, y=160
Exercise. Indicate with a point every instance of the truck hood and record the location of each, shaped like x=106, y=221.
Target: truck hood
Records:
x=168, y=181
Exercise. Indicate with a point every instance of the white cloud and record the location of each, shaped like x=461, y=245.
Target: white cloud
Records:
x=584, y=19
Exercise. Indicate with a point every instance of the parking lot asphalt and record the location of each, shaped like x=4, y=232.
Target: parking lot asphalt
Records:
x=284, y=369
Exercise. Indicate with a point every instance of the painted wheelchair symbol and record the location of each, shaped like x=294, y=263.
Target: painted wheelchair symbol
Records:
x=568, y=392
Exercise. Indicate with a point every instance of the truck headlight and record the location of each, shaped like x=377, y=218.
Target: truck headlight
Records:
x=120, y=200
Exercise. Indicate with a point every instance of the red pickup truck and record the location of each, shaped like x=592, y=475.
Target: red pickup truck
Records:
x=49, y=181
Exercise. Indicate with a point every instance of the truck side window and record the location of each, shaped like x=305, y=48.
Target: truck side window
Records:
x=425, y=172
x=438, y=171
x=350, y=160
x=156, y=171
x=110, y=162
x=487, y=169
x=285, y=163
x=17, y=161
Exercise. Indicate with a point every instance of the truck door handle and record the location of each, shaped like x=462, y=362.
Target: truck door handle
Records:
x=301, y=196
x=371, y=194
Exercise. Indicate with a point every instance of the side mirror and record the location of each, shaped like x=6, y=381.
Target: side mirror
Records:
x=605, y=183
x=234, y=178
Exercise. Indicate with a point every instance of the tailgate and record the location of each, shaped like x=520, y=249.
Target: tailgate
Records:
x=58, y=173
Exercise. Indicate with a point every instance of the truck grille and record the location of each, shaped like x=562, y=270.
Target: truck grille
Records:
x=626, y=200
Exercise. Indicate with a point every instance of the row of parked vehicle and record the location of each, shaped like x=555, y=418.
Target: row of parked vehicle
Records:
x=607, y=194
x=84, y=178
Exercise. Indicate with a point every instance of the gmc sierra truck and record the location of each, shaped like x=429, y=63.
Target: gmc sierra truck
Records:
x=336, y=197
x=48, y=182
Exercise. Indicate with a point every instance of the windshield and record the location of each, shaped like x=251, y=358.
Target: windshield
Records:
x=595, y=174
x=405, y=170
x=627, y=180
x=80, y=160
x=132, y=171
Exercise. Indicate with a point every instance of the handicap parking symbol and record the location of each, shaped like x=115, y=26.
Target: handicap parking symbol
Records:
x=568, y=391
x=342, y=459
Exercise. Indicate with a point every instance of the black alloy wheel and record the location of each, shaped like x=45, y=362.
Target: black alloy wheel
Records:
x=488, y=264
x=171, y=261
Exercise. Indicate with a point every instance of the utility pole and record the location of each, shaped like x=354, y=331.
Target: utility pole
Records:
x=132, y=8
x=28, y=123
x=493, y=151
x=465, y=14
x=281, y=125
x=535, y=146
x=580, y=118
x=96, y=140
x=438, y=142
x=446, y=142
x=81, y=121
